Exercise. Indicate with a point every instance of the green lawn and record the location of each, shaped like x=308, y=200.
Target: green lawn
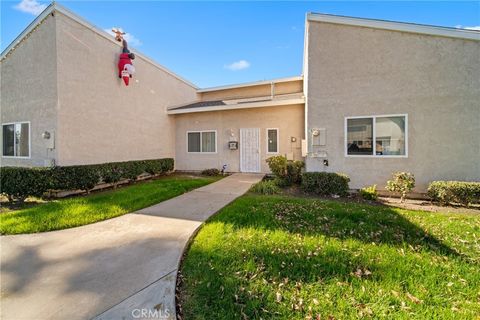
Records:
x=78, y=211
x=279, y=257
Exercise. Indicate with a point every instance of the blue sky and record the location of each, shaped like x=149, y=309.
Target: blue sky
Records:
x=218, y=43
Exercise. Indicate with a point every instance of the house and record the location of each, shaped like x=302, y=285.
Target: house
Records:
x=385, y=96
x=59, y=82
x=240, y=126
x=375, y=97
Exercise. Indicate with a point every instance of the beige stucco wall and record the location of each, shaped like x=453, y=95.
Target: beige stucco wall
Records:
x=284, y=87
x=29, y=92
x=356, y=71
x=288, y=119
x=99, y=118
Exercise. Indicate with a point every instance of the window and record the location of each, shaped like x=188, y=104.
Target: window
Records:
x=202, y=141
x=16, y=139
x=272, y=140
x=378, y=136
x=194, y=142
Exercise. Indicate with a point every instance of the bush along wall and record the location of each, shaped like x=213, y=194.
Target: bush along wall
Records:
x=325, y=183
x=286, y=171
x=20, y=183
x=447, y=192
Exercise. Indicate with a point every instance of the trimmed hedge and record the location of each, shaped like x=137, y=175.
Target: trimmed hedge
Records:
x=325, y=183
x=454, y=191
x=19, y=183
x=75, y=177
x=133, y=169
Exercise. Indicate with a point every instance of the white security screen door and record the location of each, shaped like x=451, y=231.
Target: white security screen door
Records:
x=250, y=150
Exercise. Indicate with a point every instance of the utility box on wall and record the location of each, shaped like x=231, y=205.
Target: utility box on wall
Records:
x=318, y=143
x=319, y=137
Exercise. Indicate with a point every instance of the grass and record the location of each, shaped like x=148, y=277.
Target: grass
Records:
x=280, y=257
x=79, y=211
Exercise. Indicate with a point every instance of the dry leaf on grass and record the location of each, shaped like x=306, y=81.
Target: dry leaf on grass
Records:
x=413, y=298
x=278, y=297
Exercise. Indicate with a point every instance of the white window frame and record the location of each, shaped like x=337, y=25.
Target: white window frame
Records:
x=14, y=142
x=278, y=140
x=201, y=132
x=374, y=138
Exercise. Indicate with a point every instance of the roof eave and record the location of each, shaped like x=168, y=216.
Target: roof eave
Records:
x=396, y=26
x=44, y=14
x=263, y=104
x=250, y=84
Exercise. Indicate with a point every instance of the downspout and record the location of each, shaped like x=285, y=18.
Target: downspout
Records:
x=305, y=90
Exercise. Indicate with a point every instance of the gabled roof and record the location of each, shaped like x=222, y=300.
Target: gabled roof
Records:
x=396, y=26
x=55, y=7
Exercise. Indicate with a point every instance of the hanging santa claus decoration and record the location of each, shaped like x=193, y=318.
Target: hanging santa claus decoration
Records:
x=125, y=65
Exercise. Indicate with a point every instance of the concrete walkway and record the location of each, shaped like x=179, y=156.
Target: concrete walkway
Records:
x=122, y=268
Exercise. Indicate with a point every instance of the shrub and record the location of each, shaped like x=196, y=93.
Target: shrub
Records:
x=152, y=167
x=19, y=183
x=112, y=172
x=266, y=187
x=447, y=192
x=211, y=172
x=294, y=172
x=402, y=182
x=278, y=165
x=289, y=171
x=369, y=193
x=281, y=182
x=167, y=164
x=325, y=183
x=132, y=169
x=76, y=177
x=158, y=166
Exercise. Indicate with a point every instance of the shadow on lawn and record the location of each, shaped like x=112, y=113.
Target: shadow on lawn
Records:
x=369, y=224
x=211, y=276
x=243, y=293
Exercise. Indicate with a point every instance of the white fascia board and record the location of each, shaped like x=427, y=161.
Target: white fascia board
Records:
x=250, y=84
x=55, y=7
x=396, y=26
x=263, y=104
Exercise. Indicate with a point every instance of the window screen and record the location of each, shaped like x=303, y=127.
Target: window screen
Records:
x=16, y=140
x=360, y=136
x=388, y=133
x=8, y=140
x=208, y=141
x=204, y=141
x=194, y=142
x=390, y=136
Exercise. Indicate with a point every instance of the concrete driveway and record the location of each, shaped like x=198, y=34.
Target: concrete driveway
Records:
x=122, y=268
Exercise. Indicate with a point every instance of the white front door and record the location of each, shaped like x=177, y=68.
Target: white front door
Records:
x=250, y=150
